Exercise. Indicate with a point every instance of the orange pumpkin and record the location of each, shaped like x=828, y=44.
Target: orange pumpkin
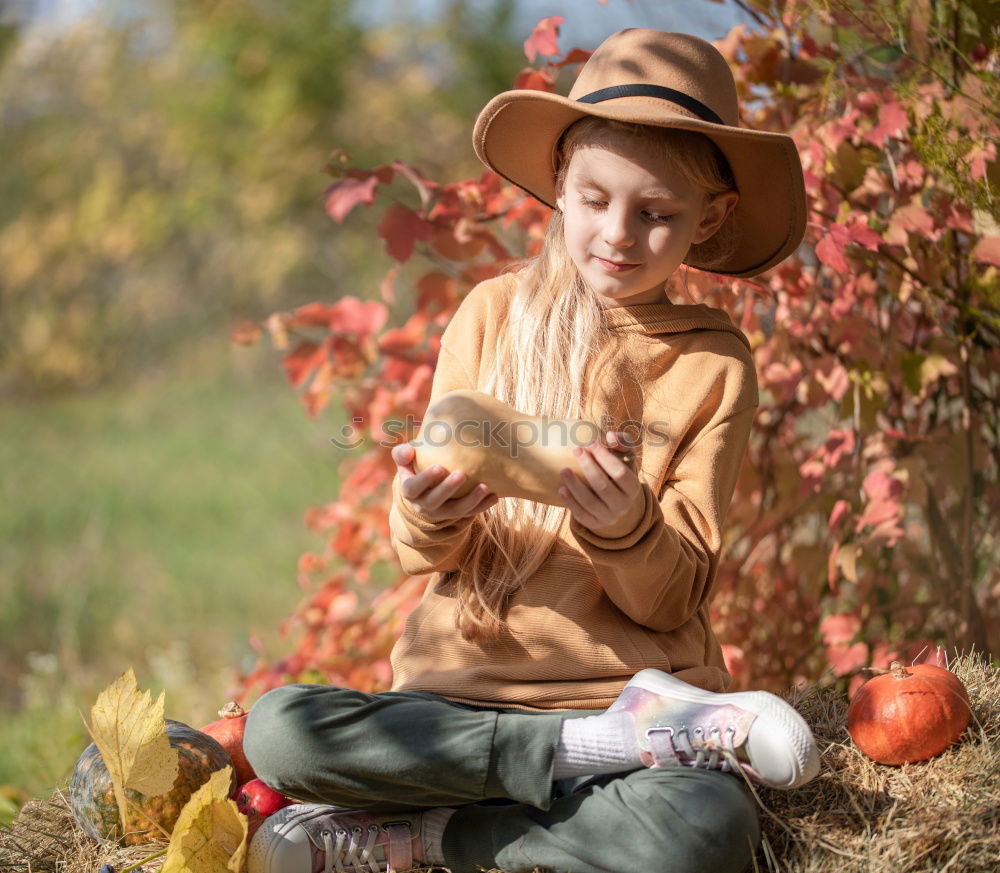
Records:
x=908, y=714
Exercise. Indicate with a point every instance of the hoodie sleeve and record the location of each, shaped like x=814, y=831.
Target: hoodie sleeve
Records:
x=661, y=572
x=424, y=546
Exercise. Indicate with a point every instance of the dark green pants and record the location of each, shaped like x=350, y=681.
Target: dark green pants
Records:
x=414, y=750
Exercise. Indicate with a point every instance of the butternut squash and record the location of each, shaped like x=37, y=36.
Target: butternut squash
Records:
x=514, y=454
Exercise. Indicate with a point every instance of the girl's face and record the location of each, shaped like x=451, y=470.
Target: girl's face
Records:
x=629, y=221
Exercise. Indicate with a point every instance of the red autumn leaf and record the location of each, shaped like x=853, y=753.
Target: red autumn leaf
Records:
x=830, y=249
x=448, y=242
x=309, y=562
x=883, y=511
x=312, y=315
x=343, y=196
x=316, y=397
x=342, y=606
x=836, y=237
x=399, y=341
x=425, y=187
x=842, y=655
x=369, y=475
x=396, y=371
x=880, y=485
x=987, y=250
x=911, y=218
x=729, y=45
x=844, y=128
x=839, y=627
x=544, y=38
x=435, y=290
x=362, y=318
x=298, y=363
x=575, y=56
x=535, y=80
x=861, y=234
x=346, y=357
x=837, y=514
x=846, y=659
x=979, y=157
x=892, y=122
x=417, y=392
x=401, y=227
x=735, y=659
x=833, y=377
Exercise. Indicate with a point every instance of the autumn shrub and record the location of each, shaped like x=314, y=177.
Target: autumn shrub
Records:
x=863, y=527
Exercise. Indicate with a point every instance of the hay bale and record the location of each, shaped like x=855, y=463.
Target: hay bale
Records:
x=855, y=817
x=45, y=838
x=932, y=816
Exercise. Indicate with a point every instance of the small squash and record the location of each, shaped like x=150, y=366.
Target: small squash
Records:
x=908, y=714
x=228, y=731
x=92, y=797
x=514, y=454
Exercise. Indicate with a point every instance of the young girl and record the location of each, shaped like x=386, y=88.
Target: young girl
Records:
x=559, y=698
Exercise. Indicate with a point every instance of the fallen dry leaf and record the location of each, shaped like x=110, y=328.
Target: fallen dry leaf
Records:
x=211, y=833
x=129, y=731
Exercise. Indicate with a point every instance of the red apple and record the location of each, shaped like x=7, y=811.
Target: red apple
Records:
x=257, y=800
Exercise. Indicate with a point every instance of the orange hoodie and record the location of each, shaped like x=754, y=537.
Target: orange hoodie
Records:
x=599, y=608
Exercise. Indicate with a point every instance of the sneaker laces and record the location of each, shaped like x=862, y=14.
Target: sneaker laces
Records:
x=693, y=748
x=343, y=851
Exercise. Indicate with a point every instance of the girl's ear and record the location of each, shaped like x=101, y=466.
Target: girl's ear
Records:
x=560, y=197
x=715, y=212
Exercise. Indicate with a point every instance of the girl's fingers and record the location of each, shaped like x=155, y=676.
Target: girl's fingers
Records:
x=417, y=486
x=580, y=513
x=442, y=486
x=404, y=456
x=483, y=499
x=594, y=469
x=477, y=500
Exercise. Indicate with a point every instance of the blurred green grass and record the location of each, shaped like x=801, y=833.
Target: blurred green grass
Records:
x=156, y=525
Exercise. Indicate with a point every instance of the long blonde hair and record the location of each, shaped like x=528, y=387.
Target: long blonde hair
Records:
x=554, y=334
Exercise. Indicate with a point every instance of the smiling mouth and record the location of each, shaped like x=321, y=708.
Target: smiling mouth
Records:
x=615, y=266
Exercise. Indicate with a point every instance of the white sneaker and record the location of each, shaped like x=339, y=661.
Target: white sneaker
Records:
x=315, y=838
x=681, y=724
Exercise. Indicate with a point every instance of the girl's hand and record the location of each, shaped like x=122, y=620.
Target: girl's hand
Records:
x=610, y=495
x=429, y=491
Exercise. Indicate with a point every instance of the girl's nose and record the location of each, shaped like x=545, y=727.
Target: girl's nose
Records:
x=618, y=228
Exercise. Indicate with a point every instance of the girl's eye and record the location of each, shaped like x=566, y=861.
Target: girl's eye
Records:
x=658, y=217
x=593, y=204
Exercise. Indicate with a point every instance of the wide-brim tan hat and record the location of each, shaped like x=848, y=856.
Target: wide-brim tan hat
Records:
x=667, y=80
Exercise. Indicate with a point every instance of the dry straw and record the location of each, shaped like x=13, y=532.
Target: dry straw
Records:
x=938, y=815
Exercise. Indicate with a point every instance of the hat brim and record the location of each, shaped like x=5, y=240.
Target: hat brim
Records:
x=517, y=132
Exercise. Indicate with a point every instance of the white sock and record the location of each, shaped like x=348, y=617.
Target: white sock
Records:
x=604, y=743
x=432, y=826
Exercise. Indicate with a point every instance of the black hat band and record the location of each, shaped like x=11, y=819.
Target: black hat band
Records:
x=674, y=96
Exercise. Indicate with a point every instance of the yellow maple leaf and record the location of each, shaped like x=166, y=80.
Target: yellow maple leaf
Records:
x=129, y=731
x=211, y=833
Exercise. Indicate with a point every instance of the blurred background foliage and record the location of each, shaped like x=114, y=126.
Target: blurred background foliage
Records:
x=168, y=161
x=163, y=179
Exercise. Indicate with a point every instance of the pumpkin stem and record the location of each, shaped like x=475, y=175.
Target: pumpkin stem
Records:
x=898, y=671
x=232, y=710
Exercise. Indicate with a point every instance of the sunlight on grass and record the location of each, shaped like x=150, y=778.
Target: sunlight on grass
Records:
x=155, y=526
